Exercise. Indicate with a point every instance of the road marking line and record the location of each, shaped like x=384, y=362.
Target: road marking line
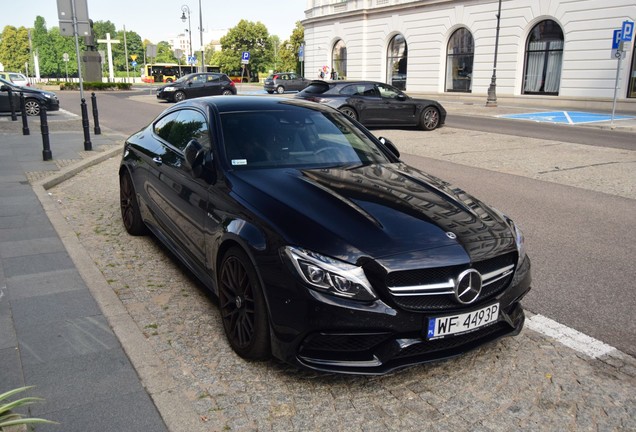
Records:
x=567, y=116
x=569, y=337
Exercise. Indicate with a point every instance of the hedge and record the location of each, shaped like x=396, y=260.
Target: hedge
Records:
x=96, y=86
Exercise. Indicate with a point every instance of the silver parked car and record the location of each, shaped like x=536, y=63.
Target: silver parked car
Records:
x=280, y=82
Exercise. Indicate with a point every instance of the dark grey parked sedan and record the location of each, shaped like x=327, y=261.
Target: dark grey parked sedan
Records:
x=280, y=82
x=32, y=99
x=375, y=103
x=197, y=85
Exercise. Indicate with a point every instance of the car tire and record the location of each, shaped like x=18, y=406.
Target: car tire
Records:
x=179, y=96
x=348, y=111
x=270, y=91
x=130, y=214
x=242, y=306
x=169, y=80
x=227, y=92
x=280, y=89
x=32, y=107
x=429, y=119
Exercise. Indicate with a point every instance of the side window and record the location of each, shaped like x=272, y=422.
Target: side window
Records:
x=387, y=92
x=165, y=124
x=179, y=127
x=198, y=80
x=213, y=78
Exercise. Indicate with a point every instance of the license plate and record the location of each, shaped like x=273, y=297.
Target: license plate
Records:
x=455, y=324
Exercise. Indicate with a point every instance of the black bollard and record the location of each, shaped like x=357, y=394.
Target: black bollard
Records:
x=11, y=104
x=87, y=134
x=97, y=129
x=44, y=128
x=25, y=124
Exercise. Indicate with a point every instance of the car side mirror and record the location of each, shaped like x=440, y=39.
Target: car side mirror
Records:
x=4, y=88
x=401, y=97
x=389, y=145
x=199, y=161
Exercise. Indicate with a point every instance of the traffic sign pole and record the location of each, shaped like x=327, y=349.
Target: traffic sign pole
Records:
x=620, y=37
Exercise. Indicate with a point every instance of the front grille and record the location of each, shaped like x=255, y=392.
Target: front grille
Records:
x=432, y=289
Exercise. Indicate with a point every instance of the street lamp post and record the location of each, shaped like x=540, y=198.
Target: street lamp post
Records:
x=492, y=89
x=203, y=68
x=185, y=9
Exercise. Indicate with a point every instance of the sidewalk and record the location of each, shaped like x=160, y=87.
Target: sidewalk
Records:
x=53, y=334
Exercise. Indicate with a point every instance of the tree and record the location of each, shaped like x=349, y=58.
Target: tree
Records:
x=251, y=37
x=164, y=53
x=14, y=48
x=288, y=53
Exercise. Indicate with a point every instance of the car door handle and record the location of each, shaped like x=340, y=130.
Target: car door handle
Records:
x=157, y=160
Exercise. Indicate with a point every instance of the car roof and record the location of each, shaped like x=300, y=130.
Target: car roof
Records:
x=225, y=104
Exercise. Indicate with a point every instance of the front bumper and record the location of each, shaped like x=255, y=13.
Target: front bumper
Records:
x=167, y=96
x=342, y=336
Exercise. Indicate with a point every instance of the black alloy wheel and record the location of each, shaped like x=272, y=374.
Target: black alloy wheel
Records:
x=348, y=111
x=430, y=118
x=32, y=107
x=227, y=92
x=179, y=96
x=130, y=214
x=242, y=305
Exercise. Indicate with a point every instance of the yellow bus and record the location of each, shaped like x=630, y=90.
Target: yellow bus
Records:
x=169, y=72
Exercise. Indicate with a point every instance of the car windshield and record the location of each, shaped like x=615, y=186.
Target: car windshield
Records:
x=296, y=137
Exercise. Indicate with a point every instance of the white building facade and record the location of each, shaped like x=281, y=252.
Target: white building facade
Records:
x=557, y=49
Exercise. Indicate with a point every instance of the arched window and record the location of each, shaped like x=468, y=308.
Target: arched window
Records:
x=459, y=61
x=544, y=57
x=396, y=59
x=339, y=60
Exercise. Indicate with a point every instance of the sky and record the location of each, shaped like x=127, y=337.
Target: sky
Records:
x=160, y=20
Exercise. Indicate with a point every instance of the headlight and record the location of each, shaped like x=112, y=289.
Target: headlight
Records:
x=519, y=240
x=169, y=89
x=48, y=96
x=331, y=276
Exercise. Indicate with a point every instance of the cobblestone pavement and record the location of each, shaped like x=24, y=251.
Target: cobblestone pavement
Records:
x=530, y=382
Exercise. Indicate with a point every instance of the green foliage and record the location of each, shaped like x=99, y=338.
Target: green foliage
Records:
x=247, y=36
x=288, y=53
x=96, y=86
x=164, y=53
x=50, y=47
x=10, y=418
x=14, y=48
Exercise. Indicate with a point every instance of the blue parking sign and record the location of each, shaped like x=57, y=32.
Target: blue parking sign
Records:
x=627, y=31
x=246, y=55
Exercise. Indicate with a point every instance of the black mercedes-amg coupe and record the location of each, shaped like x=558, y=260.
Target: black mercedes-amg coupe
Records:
x=324, y=249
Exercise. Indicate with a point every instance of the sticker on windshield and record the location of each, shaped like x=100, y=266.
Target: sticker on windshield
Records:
x=239, y=161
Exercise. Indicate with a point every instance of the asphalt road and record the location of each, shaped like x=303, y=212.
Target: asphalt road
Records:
x=563, y=133
x=581, y=242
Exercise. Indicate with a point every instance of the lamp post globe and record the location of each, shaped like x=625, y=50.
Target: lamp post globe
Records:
x=185, y=9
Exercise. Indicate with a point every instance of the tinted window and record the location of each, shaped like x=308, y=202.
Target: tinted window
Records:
x=359, y=90
x=179, y=127
x=316, y=88
x=387, y=92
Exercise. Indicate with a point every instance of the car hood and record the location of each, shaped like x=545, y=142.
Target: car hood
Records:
x=37, y=92
x=390, y=210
